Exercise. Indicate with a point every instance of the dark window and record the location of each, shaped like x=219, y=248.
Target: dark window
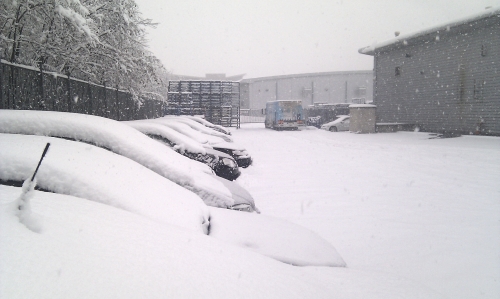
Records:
x=361, y=91
x=461, y=85
x=398, y=71
x=484, y=50
x=478, y=89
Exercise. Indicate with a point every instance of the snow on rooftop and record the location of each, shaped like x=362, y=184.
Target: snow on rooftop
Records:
x=441, y=27
x=362, y=106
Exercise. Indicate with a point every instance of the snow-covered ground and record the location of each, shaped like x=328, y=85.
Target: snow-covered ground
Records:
x=397, y=204
x=412, y=217
x=90, y=250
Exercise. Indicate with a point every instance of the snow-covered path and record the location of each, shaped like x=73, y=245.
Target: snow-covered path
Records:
x=401, y=204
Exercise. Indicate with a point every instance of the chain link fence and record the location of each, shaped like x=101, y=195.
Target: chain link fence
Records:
x=252, y=115
x=28, y=88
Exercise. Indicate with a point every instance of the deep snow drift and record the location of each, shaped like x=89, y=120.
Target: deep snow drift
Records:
x=395, y=203
x=412, y=217
x=91, y=250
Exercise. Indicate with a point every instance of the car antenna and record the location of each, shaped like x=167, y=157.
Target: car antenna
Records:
x=23, y=201
x=40, y=162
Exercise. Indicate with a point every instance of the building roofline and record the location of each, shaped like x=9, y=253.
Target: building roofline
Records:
x=306, y=75
x=370, y=50
x=208, y=77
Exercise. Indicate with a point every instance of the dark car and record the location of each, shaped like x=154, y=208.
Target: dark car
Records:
x=314, y=121
x=239, y=154
x=221, y=163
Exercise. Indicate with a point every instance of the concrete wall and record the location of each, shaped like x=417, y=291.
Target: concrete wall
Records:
x=335, y=87
x=447, y=81
x=363, y=118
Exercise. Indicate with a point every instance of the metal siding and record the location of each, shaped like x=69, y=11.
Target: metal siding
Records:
x=330, y=88
x=436, y=85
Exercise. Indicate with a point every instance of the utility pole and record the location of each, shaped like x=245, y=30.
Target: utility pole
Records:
x=345, y=100
x=312, y=92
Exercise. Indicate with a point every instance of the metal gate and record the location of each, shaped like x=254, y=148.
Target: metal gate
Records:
x=217, y=101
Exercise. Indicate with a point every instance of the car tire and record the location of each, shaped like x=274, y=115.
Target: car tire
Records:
x=333, y=129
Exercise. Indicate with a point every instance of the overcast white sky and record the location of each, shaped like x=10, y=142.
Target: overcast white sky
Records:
x=279, y=37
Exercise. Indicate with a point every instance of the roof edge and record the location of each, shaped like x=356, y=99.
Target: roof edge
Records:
x=370, y=50
x=306, y=74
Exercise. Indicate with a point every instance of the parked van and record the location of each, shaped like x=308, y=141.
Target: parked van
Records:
x=284, y=115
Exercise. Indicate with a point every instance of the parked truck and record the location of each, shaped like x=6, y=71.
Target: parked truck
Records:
x=284, y=115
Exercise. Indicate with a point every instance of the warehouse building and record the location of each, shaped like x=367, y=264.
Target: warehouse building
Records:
x=444, y=79
x=312, y=89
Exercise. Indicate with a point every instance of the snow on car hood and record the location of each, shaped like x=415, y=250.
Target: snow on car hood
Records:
x=183, y=129
x=273, y=237
x=337, y=120
x=208, y=124
x=124, y=140
x=183, y=142
x=187, y=130
x=93, y=173
x=197, y=126
x=240, y=194
x=227, y=145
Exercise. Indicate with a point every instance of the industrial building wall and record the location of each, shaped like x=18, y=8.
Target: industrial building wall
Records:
x=340, y=87
x=444, y=81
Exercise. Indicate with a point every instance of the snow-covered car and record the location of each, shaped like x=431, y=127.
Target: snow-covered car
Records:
x=314, y=121
x=86, y=171
x=223, y=164
x=123, y=140
x=209, y=124
x=239, y=153
x=92, y=250
x=236, y=151
x=243, y=201
x=341, y=123
x=197, y=126
x=204, y=139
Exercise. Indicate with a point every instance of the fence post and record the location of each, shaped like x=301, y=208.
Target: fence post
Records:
x=40, y=65
x=68, y=87
x=2, y=105
x=117, y=104
x=106, y=112
x=90, y=99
